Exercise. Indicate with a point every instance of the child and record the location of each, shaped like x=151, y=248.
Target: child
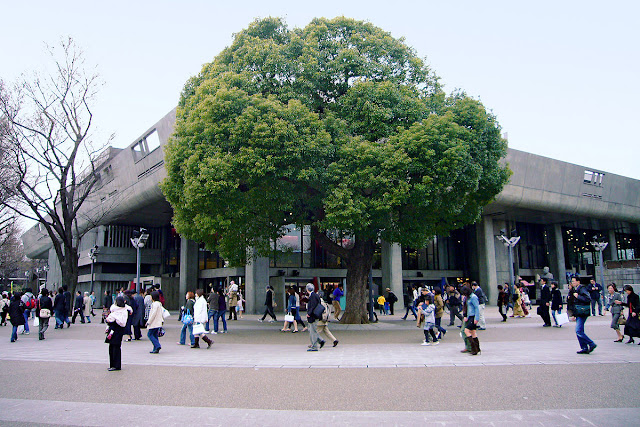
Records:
x=381, y=301
x=428, y=308
x=239, y=306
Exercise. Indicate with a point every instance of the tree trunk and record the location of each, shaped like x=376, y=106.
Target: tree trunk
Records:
x=358, y=268
x=70, y=269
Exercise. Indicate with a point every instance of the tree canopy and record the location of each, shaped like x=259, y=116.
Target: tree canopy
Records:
x=337, y=126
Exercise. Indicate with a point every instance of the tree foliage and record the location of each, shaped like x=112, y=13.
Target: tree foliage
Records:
x=337, y=126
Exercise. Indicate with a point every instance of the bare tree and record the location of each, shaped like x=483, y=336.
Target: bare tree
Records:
x=47, y=120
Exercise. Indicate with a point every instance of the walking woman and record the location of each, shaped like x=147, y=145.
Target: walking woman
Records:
x=155, y=322
x=187, y=320
x=614, y=305
x=503, y=302
x=116, y=321
x=43, y=312
x=471, y=319
x=16, y=313
x=556, y=302
x=581, y=311
x=517, y=305
x=632, y=327
x=200, y=317
x=439, y=303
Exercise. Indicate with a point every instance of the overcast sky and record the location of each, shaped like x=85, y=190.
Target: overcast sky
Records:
x=562, y=77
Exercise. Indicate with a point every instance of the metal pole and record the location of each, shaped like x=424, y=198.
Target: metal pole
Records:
x=511, y=272
x=138, y=268
x=92, y=258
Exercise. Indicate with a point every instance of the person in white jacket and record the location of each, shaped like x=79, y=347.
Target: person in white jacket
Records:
x=155, y=321
x=200, y=316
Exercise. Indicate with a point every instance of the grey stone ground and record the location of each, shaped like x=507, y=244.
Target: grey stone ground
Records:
x=526, y=375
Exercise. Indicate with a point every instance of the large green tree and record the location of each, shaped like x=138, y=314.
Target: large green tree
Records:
x=336, y=126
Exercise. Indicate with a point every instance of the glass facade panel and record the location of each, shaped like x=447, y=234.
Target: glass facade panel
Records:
x=628, y=246
x=533, y=248
x=441, y=253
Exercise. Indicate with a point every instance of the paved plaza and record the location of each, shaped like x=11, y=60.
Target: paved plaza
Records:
x=379, y=373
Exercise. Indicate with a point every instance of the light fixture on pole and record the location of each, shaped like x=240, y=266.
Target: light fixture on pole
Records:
x=510, y=243
x=93, y=252
x=138, y=241
x=600, y=246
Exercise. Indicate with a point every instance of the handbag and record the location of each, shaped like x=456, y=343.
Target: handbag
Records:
x=165, y=313
x=187, y=319
x=562, y=318
x=622, y=320
x=161, y=332
x=45, y=313
x=288, y=317
x=36, y=321
x=198, y=329
x=582, y=310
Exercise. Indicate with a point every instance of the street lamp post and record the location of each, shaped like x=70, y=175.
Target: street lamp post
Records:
x=93, y=252
x=600, y=247
x=510, y=243
x=138, y=241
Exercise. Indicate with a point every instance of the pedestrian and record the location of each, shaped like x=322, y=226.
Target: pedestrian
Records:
x=595, y=292
x=581, y=312
x=86, y=307
x=200, y=316
x=233, y=301
x=93, y=302
x=16, y=314
x=213, y=302
x=107, y=302
x=614, y=304
x=428, y=309
x=571, y=300
x=503, y=302
x=187, y=320
x=291, y=308
x=454, y=305
x=410, y=302
x=220, y=313
x=439, y=303
x=381, y=304
x=391, y=300
x=518, y=305
x=240, y=306
x=4, y=308
x=137, y=317
x=78, y=308
x=67, y=305
x=556, y=302
x=337, y=294
x=43, y=312
x=545, y=303
x=269, y=303
x=59, y=309
x=322, y=327
x=313, y=314
x=128, y=300
x=156, y=319
x=30, y=304
x=471, y=320
x=482, y=303
x=116, y=321
x=632, y=327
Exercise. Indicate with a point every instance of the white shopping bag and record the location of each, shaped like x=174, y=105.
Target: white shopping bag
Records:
x=288, y=318
x=562, y=318
x=36, y=321
x=198, y=328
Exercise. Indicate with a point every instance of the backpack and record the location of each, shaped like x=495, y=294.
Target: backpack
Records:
x=326, y=312
x=31, y=303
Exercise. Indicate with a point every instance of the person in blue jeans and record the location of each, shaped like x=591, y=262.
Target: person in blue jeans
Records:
x=155, y=322
x=582, y=298
x=220, y=313
x=16, y=313
x=188, y=310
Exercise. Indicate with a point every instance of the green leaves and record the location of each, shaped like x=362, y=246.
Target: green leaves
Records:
x=337, y=125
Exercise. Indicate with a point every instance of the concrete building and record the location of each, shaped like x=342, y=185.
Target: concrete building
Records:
x=557, y=209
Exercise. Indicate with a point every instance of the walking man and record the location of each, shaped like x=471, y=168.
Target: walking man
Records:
x=313, y=314
x=268, y=306
x=545, y=303
x=595, y=290
x=482, y=304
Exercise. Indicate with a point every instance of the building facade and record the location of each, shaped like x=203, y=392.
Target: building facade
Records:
x=556, y=208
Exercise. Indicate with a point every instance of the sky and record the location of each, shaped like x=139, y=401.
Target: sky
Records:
x=562, y=78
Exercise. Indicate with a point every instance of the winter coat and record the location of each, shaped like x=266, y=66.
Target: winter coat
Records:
x=155, y=316
x=16, y=310
x=200, y=310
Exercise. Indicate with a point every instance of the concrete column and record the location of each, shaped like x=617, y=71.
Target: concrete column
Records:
x=488, y=277
x=256, y=280
x=613, y=245
x=559, y=251
x=188, y=267
x=392, y=269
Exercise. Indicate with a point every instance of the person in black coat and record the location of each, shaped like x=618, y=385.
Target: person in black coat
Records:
x=16, y=311
x=582, y=299
x=632, y=327
x=137, y=318
x=43, y=312
x=78, y=306
x=115, y=340
x=67, y=304
x=545, y=303
x=556, y=302
x=107, y=300
x=59, y=309
x=314, y=301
